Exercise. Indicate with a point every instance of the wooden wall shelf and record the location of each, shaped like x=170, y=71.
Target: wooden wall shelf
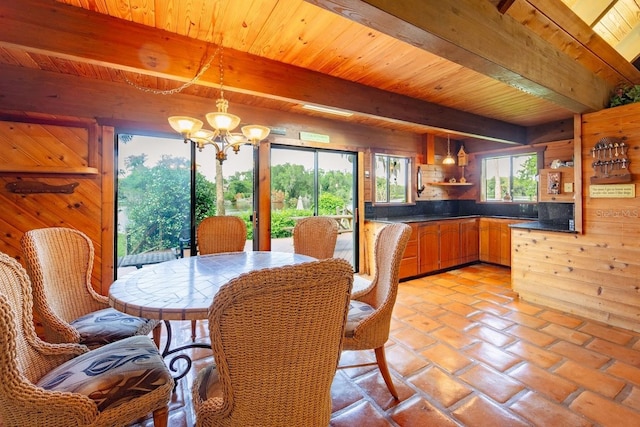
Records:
x=567, y=176
x=47, y=170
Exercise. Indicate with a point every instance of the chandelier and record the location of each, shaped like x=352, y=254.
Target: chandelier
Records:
x=449, y=159
x=223, y=123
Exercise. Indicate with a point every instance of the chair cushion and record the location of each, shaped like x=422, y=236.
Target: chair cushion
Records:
x=358, y=311
x=106, y=326
x=209, y=383
x=112, y=374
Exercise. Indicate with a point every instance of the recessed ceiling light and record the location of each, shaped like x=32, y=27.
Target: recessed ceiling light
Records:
x=327, y=110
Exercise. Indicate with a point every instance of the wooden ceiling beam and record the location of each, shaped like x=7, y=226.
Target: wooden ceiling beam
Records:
x=475, y=35
x=504, y=5
x=84, y=36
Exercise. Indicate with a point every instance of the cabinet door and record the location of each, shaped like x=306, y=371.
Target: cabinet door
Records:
x=449, y=244
x=505, y=244
x=484, y=239
x=491, y=240
x=469, y=241
x=495, y=242
x=409, y=263
x=429, y=254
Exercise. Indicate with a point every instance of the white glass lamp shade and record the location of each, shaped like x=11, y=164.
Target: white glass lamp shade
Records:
x=223, y=122
x=202, y=137
x=255, y=133
x=236, y=138
x=448, y=160
x=185, y=125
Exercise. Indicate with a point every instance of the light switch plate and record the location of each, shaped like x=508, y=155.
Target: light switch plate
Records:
x=568, y=187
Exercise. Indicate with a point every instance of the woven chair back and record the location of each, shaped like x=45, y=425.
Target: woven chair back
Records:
x=276, y=336
x=315, y=236
x=18, y=358
x=389, y=250
x=60, y=261
x=390, y=245
x=217, y=234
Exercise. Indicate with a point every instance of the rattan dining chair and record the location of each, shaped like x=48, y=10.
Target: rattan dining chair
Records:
x=218, y=234
x=315, y=236
x=276, y=337
x=60, y=261
x=369, y=318
x=61, y=385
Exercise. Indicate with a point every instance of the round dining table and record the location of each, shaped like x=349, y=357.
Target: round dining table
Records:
x=184, y=289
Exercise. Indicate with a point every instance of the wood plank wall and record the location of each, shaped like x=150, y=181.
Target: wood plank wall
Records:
x=595, y=274
x=55, y=152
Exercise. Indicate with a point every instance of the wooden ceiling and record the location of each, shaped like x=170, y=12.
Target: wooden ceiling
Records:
x=485, y=69
x=616, y=21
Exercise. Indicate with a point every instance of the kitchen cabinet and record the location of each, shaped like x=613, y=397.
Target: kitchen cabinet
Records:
x=446, y=244
x=443, y=244
x=505, y=243
x=490, y=238
x=449, y=240
x=429, y=242
x=469, y=240
x=495, y=240
x=409, y=263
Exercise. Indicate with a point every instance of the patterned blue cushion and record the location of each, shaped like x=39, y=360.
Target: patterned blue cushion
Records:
x=112, y=374
x=358, y=311
x=105, y=326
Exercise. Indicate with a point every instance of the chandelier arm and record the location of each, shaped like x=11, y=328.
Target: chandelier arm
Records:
x=215, y=145
x=235, y=145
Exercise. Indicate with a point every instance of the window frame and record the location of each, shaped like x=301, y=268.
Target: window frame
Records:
x=511, y=154
x=407, y=176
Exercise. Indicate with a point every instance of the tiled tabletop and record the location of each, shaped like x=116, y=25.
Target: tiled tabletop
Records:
x=183, y=289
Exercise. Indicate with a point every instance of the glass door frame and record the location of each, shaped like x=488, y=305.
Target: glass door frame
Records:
x=263, y=190
x=116, y=159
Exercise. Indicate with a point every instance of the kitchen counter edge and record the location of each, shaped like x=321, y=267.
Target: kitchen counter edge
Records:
x=527, y=223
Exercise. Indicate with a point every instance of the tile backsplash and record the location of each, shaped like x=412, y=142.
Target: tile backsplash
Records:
x=555, y=213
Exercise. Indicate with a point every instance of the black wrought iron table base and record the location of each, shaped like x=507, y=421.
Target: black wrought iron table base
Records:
x=178, y=355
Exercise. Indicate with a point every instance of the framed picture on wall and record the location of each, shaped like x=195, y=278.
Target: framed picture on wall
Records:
x=553, y=183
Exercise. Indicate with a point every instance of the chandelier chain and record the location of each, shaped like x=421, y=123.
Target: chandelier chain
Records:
x=185, y=85
x=220, y=51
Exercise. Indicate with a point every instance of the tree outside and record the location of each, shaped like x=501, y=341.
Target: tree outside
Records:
x=511, y=177
x=155, y=202
x=525, y=186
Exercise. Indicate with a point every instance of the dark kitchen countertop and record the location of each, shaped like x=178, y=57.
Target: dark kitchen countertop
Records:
x=527, y=223
x=544, y=226
x=427, y=218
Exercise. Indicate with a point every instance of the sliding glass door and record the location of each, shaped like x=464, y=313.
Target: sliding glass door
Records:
x=160, y=182
x=153, y=200
x=308, y=182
